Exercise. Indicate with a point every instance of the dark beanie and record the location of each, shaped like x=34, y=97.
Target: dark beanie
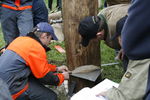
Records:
x=88, y=28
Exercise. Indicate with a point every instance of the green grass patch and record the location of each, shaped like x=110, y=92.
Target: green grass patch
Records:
x=2, y=43
x=113, y=72
x=56, y=57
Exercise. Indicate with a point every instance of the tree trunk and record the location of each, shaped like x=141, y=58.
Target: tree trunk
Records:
x=73, y=11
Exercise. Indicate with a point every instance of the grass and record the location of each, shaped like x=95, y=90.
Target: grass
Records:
x=54, y=56
x=113, y=72
x=1, y=38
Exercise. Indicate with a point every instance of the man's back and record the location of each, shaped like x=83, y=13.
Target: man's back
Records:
x=136, y=32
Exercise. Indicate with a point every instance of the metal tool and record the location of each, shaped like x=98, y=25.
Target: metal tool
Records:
x=88, y=72
x=55, y=21
x=109, y=64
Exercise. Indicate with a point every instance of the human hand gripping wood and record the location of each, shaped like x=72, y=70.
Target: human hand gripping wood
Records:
x=120, y=55
x=66, y=75
x=62, y=68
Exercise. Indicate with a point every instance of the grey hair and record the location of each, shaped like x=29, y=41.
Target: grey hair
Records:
x=37, y=32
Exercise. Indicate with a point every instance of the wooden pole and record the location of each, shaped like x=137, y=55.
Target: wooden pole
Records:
x=73, y=11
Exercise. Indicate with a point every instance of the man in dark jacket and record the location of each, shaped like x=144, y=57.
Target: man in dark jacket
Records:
x=25, y=69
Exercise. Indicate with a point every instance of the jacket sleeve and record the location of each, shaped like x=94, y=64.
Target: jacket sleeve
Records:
x=52, y=79
x=42, y=70
x=53, y=67
x=135, y=33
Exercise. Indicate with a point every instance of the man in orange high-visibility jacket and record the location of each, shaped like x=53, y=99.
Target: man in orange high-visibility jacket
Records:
x=24, y=67
x=16, y=18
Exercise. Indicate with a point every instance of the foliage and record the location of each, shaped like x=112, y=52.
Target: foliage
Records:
x=54, y=56
x=113, y=72
x=101, y=4
x=1, y=39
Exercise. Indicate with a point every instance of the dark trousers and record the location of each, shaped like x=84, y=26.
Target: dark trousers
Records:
x=50, y=2
x=40, y=12
x=37, y=91
x=59, y=4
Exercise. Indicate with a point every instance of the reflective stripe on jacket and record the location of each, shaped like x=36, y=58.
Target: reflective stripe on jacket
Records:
x=35, y=57
x=17, y=4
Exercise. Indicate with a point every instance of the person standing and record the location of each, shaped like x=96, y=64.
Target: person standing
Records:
x=16, y=18
x=40, y=12
x=59, y=4
x=50, y=2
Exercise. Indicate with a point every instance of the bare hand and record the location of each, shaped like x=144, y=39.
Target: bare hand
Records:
x=120, y=55
x=2, y=50
x=66, y=75
x=62, y=68
x=101, y=94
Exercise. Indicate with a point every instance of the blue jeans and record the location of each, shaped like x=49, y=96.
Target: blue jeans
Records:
x=40, y=12
x=15, y=23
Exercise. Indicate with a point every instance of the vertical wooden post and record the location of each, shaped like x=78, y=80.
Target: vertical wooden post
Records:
x=73, y=11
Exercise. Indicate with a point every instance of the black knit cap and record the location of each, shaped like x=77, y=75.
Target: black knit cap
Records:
x=88, y=28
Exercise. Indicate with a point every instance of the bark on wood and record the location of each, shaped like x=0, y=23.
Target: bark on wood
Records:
x=73, y=11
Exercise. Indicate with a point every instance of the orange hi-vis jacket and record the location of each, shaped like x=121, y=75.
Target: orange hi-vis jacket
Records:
x=17, y=4
x=35, y=57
